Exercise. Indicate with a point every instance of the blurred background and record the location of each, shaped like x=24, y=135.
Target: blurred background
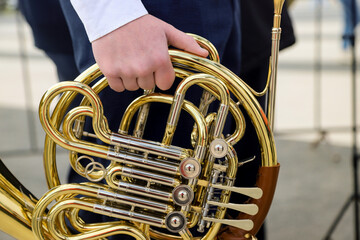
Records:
x=313, y=127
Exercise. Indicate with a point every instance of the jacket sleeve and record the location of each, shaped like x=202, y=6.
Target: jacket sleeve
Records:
x=103, y=17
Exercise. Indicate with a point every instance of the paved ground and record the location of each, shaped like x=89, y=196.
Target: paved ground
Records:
x=315, y=179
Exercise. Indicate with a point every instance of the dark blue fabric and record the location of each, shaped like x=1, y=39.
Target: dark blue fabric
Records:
x=81, y=45
x=48, y=24
x=65, y=65
x=51, y=34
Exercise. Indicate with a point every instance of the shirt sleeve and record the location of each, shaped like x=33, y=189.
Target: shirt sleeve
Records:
x=101, y=17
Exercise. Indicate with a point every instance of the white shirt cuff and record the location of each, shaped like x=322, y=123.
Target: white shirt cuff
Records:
x=101, y=17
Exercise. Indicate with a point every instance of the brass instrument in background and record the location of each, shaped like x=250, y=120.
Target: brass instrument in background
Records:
x=150, y=185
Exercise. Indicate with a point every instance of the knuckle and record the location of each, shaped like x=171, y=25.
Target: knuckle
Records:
x=144, y=71
x=131, y=84
x=132, y=88
x=147, y=85
x=117, y=86
x=165, y=80
x=160, y=58
x=128, y=73
x=110, y=70
x=163, y=59
x=191, y=40
x=118, y=89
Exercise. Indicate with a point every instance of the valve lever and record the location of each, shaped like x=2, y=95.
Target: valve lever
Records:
x=250, y=209
x=252, y=192
x=246, y=161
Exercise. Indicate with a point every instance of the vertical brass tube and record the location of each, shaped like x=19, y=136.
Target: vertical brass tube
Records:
x=276, y=34
x=142, y=118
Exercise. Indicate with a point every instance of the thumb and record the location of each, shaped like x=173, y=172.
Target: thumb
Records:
x=181, y=40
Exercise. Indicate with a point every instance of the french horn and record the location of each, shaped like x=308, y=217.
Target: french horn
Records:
x=153, y=190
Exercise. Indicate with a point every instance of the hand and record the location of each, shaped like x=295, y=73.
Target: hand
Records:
x=136, y=55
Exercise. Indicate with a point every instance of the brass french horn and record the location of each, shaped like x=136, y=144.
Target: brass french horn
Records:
x=155, y=190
